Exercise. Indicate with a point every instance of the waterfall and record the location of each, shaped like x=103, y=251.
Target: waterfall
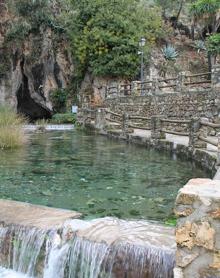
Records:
x=101, y=248
x=5, y=273
x=20, y=248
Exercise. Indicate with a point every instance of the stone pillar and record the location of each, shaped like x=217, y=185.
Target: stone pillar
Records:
x=80, y=116
x=125, y=122
x=135, y=87
x=194, y=132
x=218, y=152
x=100, y=119
x=216, y=77
x=197, y=232
x=155, y=86
x=156, y=128
x=106, y=92
x=180, y=82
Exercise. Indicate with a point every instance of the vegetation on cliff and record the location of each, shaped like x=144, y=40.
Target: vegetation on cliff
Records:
x=105, y=35
x=11, y=129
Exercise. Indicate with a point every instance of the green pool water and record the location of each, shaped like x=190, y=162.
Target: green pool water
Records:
x=94, y=175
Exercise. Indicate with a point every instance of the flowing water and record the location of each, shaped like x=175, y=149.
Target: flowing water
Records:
x=94, y=175
x=101, y=248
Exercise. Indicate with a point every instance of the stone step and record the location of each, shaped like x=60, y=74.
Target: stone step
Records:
x=24, y=214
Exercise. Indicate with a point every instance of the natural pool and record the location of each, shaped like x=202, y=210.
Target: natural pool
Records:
x=94, y=175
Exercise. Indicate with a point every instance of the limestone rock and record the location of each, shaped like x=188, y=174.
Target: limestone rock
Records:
x=184, y=258
x=183, y=210
x=216, y=260
x=34, y=69
x=215, y=214
x=183, y=235
x=204, y=235
x=198, y=234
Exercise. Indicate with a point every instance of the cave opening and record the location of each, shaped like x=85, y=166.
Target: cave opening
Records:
x=26, y=105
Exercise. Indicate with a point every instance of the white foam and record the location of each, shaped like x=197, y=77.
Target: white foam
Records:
x=7, y=273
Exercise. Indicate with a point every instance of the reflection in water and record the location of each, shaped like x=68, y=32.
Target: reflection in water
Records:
x=94, y=175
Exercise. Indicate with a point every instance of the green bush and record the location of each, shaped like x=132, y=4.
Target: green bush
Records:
x=58, y=98
x=213, y=44
x=29, y=7
x=11, y=130
x=18, y=31
x=32, y=14
x=67, y=118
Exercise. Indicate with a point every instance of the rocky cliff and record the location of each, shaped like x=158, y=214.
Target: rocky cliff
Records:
x=32, y=66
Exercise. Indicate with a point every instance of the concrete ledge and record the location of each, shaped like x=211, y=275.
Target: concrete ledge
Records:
x=24, y=214
x=48, y=127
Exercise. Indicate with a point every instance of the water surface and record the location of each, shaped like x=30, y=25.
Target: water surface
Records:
x=94, y=175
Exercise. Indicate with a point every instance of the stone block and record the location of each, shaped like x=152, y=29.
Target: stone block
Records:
x=216, y=260
x=185, y=257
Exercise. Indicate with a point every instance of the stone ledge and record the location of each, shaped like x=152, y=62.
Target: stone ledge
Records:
x=24, y=214
x=202, y=188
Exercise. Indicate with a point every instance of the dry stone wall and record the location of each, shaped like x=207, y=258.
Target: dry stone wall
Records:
x=171, y=105
x=198, y=229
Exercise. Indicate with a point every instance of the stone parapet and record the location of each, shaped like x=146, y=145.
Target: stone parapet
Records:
x=156, y=128
x=198, y=229
x=216, y=77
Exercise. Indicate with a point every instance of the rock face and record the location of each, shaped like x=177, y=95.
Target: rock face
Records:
x=33, y=68
x=93, y=90
x=197, y=232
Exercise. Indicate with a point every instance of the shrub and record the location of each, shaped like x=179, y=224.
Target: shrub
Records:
x=214, y=44
x=28, y=7
x=67, y=118
x=58, y=98
x=169, y=52
x=18, y=31
x=11, y=130
x=200, y=45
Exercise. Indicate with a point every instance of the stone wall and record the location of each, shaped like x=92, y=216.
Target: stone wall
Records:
x=198, y=229
x=171, y=105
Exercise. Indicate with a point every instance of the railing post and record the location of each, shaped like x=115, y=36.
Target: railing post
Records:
x=106, y=92
x=125, y=127
x=100, y=119
x=216, y=77
x=155, y=85
x=156, y=128
x=135, y=87
x=180, y=82
x=218, y=151
x=194, y=132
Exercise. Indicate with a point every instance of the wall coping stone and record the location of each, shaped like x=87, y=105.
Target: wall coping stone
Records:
x=203, y=188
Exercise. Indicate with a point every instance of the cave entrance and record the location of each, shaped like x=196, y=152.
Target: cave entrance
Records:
x=27, y=106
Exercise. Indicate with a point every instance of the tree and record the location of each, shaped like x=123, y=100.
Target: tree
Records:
x=206, y=12
x=105, y=35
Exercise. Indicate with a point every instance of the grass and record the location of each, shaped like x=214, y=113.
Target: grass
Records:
x=11, y=131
